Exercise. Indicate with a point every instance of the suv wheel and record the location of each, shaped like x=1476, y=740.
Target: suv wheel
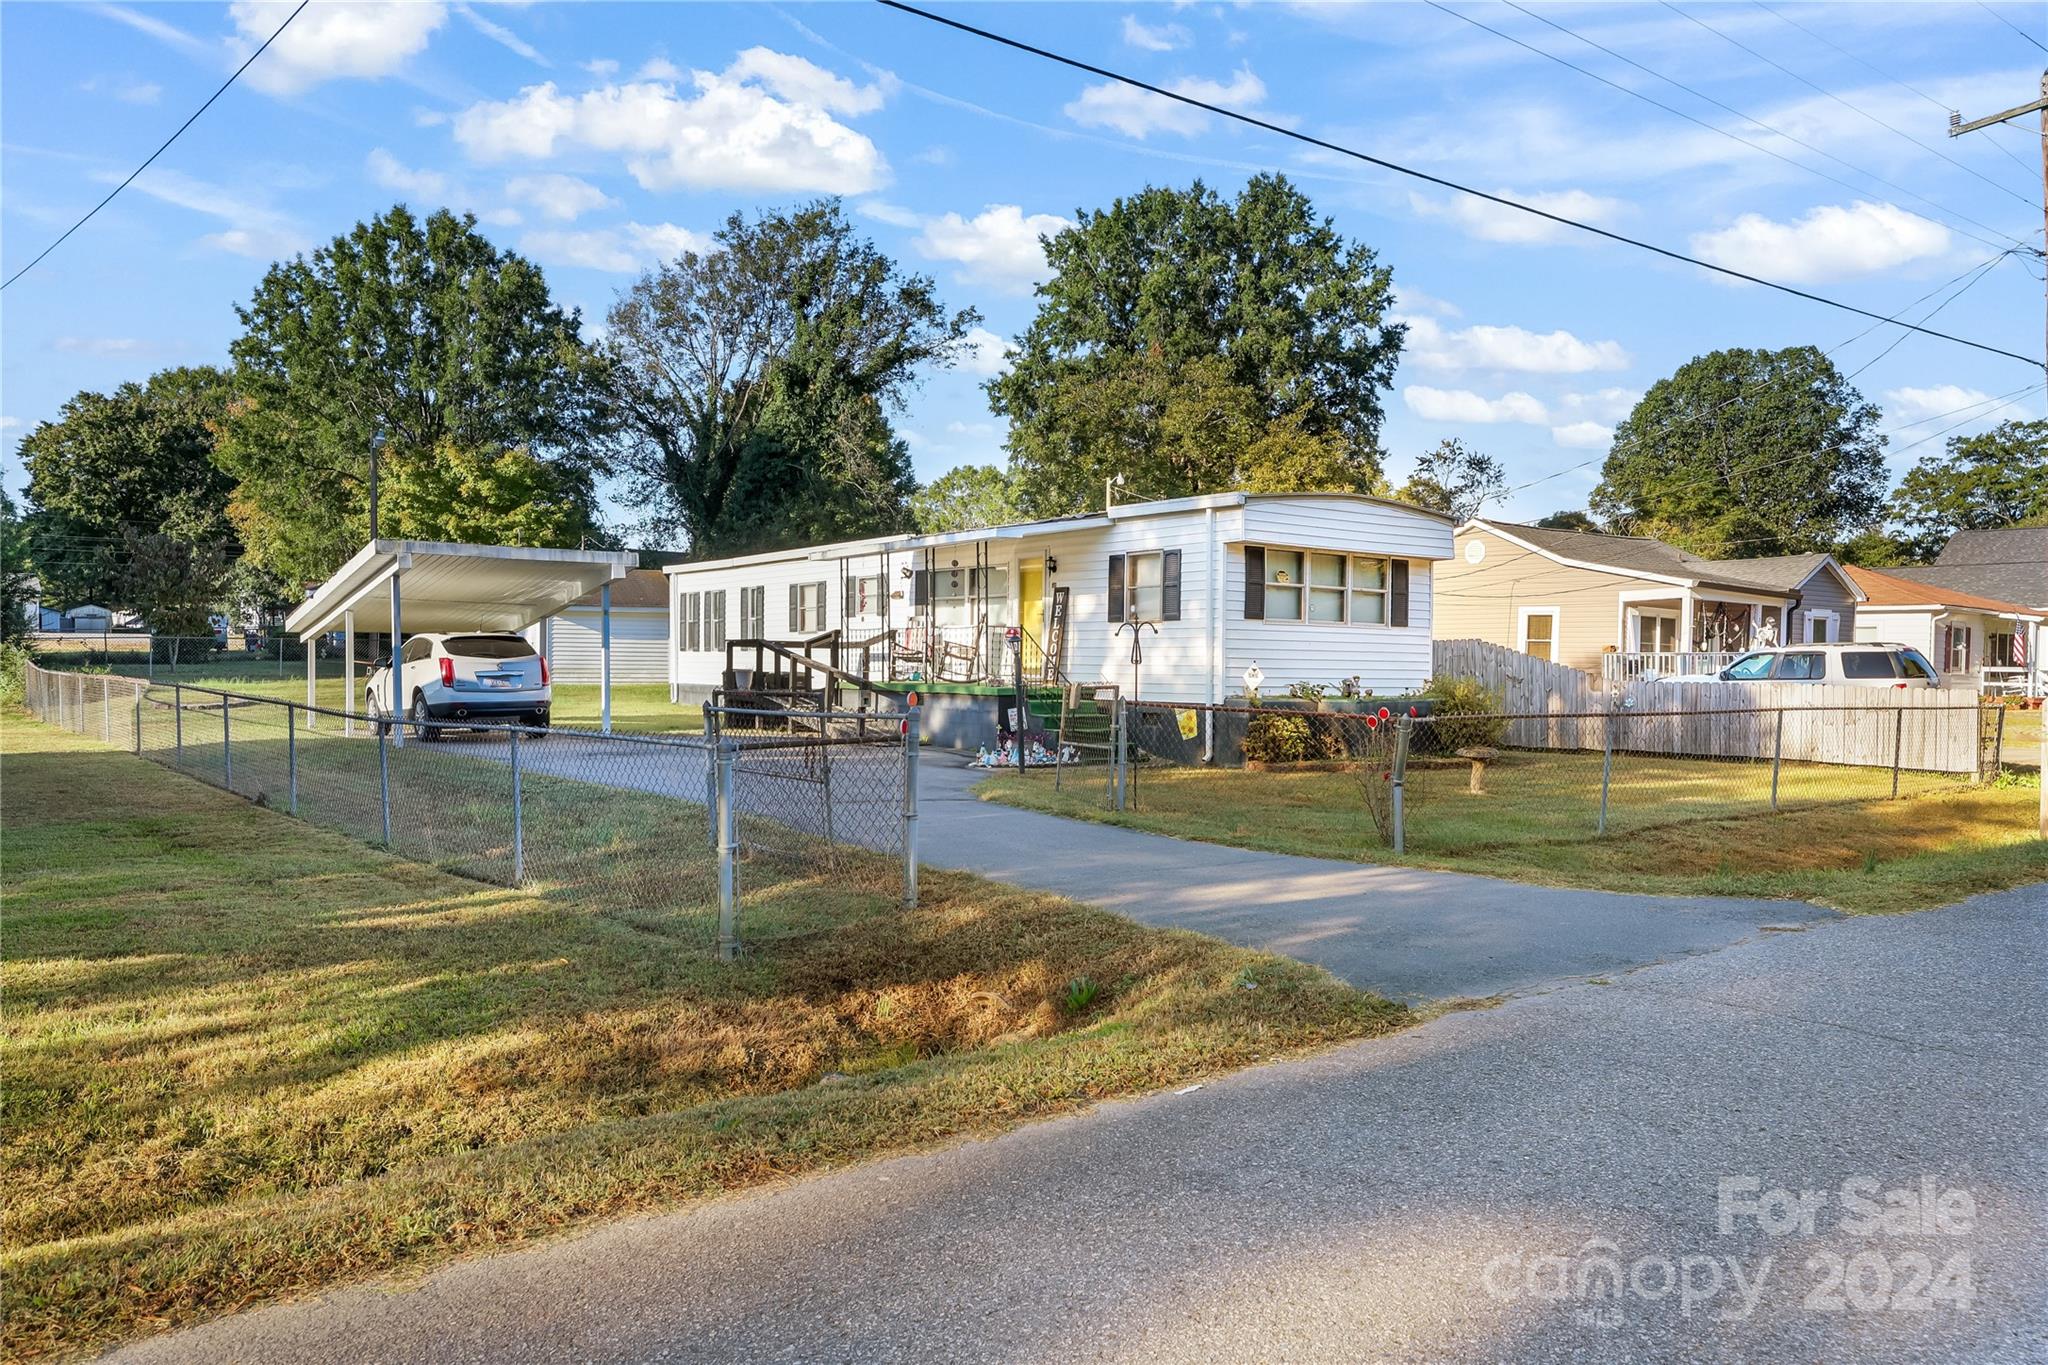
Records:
x=423, y=727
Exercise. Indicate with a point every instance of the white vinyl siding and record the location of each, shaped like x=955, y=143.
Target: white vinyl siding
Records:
x=639, y=645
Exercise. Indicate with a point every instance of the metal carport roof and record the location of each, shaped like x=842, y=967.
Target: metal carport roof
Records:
x=448, y=586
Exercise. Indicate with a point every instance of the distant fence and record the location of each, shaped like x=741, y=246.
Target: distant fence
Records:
x=253, y=651
x=636, y=822
x=1924, y=729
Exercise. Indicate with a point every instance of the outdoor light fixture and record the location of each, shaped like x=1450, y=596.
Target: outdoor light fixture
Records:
x=1051, y=565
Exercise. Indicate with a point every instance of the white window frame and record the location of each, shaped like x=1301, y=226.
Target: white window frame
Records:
x=753, y=613
x=1834, y=620
x=713, y=627
x=811, y=598
x=1636, y=615
x=1522, y=615
x=690, y=624
x=1131, y=558
x=1957, y=635
x=1345, y=591
x=867, y=600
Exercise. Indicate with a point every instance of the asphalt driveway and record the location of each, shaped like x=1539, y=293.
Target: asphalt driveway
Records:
x=1665, y=1168
x=1409, y=933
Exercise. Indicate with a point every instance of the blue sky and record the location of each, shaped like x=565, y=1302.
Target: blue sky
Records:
x=597, y=138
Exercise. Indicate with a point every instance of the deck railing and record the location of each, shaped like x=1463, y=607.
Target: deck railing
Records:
x=1636, y=665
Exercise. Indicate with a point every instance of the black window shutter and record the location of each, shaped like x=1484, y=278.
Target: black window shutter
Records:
x=1169, y=586
x=1254, y=582
x=823, y=609
x=1116, y=587
x=920, y=587
x=794, y=617
x=1397, y=610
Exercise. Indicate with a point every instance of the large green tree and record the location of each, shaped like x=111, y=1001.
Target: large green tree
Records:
x=15, y=573
x=1747, y=453
x=137, y=459
x=1288, y=315
x=754, y=383
x=1995, y=478
x=416, y=338
x=966, y=499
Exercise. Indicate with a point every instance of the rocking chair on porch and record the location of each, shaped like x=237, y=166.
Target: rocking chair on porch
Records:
x=960, y=661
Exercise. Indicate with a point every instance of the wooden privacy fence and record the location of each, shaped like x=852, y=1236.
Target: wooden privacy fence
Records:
x=1924, y=729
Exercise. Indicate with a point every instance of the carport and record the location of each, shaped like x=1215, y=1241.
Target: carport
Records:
x=392, y=586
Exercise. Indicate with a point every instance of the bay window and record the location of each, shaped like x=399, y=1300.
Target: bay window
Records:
x=1324, y=589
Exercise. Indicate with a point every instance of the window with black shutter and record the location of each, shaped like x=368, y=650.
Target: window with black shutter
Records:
x=1397, y=611
x=1254, y=582
x=1116, y=587
x=1169, y=587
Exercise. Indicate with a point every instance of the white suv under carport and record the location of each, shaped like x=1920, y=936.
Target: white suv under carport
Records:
x=458, y=680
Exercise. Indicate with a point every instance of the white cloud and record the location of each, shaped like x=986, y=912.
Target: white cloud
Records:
x=1913, y=405
x=1140, y=113
x=561, y=197
x=620, y=250
x=1606, y=406
x=601, y=67
x=765, y=123
x=1832, y=242
x=167, y=34
x=1583, y=435
x=125, y=90
x=365, y=39
x=389, y=172
x=99, y=345
x=1154, y=37
x=502, y=36
x=998, y=246
x=428, y=118
x=1411, y=301
x=895, y=215
x=1433, y=346
x=255, y=229
x=657, y=69
x=1491, y=222
x=987, y=354
x=1463, y=405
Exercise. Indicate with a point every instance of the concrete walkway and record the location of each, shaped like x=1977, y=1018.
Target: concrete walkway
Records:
x=1408, y=933
x=1391, y=1200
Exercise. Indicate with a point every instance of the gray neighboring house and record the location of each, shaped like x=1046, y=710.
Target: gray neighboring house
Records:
x=1630, y=606
x=2010, y=564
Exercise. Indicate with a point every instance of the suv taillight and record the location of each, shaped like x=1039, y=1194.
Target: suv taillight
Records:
x=543, y=670
x=447, y=672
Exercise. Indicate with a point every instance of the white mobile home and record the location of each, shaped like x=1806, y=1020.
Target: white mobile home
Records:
x=1313, y=587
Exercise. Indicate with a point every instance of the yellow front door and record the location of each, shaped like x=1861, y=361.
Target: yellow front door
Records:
x=1031, y=600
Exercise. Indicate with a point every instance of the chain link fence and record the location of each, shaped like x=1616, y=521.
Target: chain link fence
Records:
x=1459, y=782
x=690, y=824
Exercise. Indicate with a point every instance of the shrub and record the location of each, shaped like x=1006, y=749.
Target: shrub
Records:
x=13, y=674
x=1467, y=714
x=1081, y=993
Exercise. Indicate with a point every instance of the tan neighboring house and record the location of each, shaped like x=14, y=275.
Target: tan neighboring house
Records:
x=1631, y=607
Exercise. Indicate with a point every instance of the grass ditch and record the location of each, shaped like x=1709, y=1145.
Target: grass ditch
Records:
x=247, y=1057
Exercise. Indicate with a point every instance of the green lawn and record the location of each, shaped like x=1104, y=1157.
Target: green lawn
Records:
x=637, y=708
x=2023, y=738
x=1681, y=827
x=249, y=1057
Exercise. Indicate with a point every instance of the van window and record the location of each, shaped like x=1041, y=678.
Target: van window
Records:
x=1750, y=668
x=488, y=647
x=1867, y=663
x=1801, y=668
x=1913, y=664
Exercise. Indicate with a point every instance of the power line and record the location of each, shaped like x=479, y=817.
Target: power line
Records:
x=1924, y=146
x=1700, y=122
x=1427, y=177
x=160, y=150
x=1900, y=339
x=2011, y=25
x=1880, y=73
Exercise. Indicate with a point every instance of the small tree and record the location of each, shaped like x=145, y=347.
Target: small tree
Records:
x=175, y=586
x=1455, y=478
x=966, y=499
x=14, y=573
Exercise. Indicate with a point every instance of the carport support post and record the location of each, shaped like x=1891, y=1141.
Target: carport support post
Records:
x=728, y=891
x=1777, y=756
x=604, y=656
x=518, y=820
x=348, y=673
x=394, y=678
x=910, y=746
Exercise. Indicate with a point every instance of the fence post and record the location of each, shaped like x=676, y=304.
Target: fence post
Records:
x=227, y=752
x=138, y=721
x=1898, y=745
x=518, y=819
x=1121, y=754
x=291, y=753
x=910, y=745
x=178, y=719
x=107, y=710
x=1998, y=747
x=728, y=892
x=1606, y=766
x=1777, y=756
x=384, y=777
x=1402, y=729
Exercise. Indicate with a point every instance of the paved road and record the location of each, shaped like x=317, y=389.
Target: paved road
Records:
x=1388, y=1200
x=1406, y=932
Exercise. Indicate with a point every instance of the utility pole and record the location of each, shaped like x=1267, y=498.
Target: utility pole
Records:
x=1956, y=128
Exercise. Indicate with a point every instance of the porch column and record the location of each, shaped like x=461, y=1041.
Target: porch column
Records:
x=1686, y=642
x=312, y=645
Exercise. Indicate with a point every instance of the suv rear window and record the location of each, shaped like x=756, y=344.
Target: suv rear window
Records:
x=1867, y=663
x=488, y=647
